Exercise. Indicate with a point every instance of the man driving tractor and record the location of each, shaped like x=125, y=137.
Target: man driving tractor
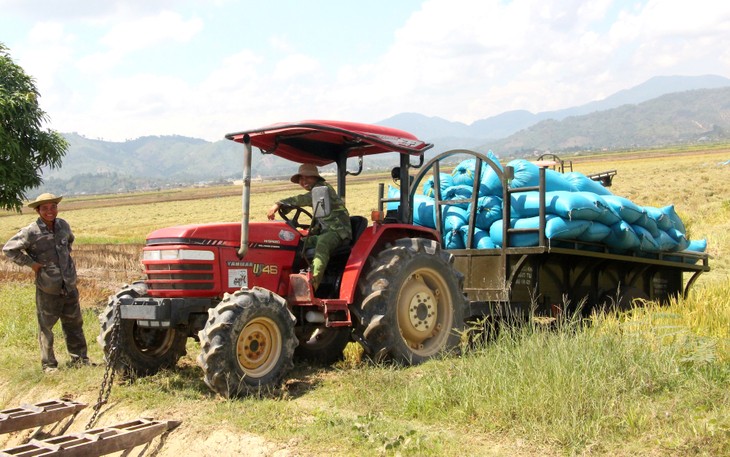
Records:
x=326, y=233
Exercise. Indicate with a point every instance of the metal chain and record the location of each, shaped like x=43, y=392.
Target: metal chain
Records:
x=114, y=351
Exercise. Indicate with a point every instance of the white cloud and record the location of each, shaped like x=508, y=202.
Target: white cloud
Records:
x=118, y=68
x=150, y=31
x=142, y=33
x=296, y=67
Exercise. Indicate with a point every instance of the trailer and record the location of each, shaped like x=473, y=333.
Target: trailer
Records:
x=555, y=277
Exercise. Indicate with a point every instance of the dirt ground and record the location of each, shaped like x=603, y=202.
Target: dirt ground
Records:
x=188, y=438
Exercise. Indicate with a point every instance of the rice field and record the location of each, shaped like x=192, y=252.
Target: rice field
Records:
x=652, y=381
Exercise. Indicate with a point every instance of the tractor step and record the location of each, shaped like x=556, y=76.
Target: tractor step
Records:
x=37, y=415
x=96, y=442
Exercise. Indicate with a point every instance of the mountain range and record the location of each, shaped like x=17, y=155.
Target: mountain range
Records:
x=664, y=110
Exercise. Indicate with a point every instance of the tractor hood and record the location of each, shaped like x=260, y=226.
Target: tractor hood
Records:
x=323, y=142
x=272, y=234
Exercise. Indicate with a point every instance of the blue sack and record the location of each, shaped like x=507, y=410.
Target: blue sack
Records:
x=527, y=174
x=556, y=228
x=445, y=180
x=453, y=218
x=595, y=233
x=622, y=237
x=647, y=241
x=423, y=211
x=583, y=183
x=453, y=239
x=458, y=192
x=491, y=183
x=662, y=220
x=480, y=239
x=625, y=208
x=674, y=218
x=489, y=209
x=569, y=205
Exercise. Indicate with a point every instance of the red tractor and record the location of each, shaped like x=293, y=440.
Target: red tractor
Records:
x=242, y=289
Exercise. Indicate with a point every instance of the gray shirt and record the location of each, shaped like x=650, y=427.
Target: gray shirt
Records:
x=36, y=243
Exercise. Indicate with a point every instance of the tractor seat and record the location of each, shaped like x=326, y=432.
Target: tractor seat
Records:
x=358, y=225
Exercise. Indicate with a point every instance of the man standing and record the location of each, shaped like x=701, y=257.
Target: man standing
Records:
x=45, y=247
x=335, y=228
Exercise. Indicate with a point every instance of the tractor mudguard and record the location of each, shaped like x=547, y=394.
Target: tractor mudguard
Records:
x=372, y=241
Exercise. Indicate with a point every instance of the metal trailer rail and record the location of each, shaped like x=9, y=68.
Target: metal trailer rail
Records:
x=37, y=415
x=96, y=442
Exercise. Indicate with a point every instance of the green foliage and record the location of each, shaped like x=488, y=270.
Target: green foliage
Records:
x=24, y=146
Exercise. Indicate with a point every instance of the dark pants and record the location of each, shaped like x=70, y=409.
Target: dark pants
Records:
x=323, y=245
x=51, y=308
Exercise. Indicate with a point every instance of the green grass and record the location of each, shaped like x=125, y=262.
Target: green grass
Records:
x=652, y=381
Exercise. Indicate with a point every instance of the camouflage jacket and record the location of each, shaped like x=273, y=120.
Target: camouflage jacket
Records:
x=338, y=220
x=35, y=243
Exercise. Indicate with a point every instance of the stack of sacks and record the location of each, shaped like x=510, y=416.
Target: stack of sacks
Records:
x=577, y=209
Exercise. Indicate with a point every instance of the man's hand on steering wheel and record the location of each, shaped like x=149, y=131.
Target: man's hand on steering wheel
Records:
x=293, y=221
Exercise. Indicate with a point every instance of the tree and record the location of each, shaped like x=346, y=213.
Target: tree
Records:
x=25, y=146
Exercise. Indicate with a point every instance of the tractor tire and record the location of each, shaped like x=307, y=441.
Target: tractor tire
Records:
x=324, y=345
x=247, y=343
x=143, y=351
x=412, y=306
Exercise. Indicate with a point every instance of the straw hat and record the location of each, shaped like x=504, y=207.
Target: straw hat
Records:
x=44, y=198
x=305, y=169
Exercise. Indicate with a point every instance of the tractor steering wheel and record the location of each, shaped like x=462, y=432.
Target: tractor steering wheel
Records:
x=293, y=221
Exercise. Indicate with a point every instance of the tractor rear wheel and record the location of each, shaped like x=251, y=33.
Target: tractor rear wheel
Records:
x=247, y=343
x=412, y=306
x=143, y=351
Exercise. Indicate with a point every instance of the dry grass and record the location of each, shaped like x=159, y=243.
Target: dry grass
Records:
x=102, y=269
x=534, y=393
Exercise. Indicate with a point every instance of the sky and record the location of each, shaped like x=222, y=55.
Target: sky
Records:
x=117, y=70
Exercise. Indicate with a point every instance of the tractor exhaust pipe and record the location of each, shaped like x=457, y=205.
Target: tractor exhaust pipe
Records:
x=245, y=196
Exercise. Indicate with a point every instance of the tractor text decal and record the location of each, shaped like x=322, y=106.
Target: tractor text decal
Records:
x=257, y=268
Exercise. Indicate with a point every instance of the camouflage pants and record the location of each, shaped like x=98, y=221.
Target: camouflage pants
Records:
x=51, y=308
x=323, y=245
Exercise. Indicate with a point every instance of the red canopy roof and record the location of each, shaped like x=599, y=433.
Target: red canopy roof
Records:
x=322, y=142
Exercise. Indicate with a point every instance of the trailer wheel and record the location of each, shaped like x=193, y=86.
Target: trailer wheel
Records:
x=324, y=345
x=412, y=306
x=247, y=343
x=143, y=351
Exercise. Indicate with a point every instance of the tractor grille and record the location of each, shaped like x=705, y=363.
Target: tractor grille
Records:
x=180, y=276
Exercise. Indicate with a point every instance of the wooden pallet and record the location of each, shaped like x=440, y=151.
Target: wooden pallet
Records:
x=37, y=415
x=96, y=442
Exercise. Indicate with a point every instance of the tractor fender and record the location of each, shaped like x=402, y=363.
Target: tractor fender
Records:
x=373, y=240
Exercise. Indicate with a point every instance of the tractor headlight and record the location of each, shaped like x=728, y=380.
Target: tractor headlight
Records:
x=177, y=254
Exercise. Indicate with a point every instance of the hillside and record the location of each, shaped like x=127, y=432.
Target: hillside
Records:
x=627, y=119
x=696, y=116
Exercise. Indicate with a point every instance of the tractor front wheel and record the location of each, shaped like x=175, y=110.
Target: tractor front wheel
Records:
x=143, y=351
x=247, y=343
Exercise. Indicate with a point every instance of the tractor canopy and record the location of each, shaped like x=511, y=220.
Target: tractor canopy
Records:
x=323, y=142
